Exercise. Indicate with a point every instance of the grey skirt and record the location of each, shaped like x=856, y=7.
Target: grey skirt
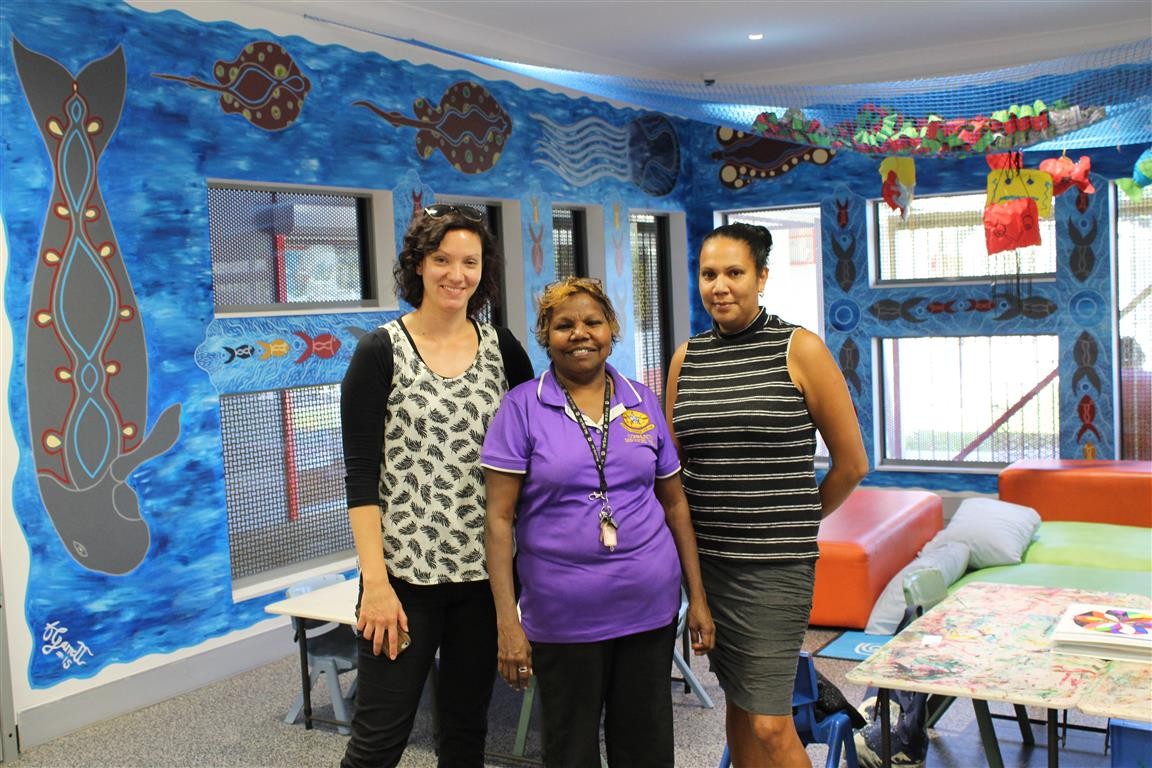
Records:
x=761, y=613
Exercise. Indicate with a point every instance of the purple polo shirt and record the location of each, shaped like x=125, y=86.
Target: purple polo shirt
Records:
x=573, y=589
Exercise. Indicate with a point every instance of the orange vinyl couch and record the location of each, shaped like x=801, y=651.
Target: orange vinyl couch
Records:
x=863, y=544
x=1090, y=491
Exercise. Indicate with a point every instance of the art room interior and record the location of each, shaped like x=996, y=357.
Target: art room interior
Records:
x=200, y=209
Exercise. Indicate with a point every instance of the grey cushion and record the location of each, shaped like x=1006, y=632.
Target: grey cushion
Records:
x=997, y=532
x=950, y=558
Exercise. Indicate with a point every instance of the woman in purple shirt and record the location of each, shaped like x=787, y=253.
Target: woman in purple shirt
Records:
x=583, y=482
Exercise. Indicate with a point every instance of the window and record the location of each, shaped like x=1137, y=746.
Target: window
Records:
x=275, y=247
x=1134, y=299
x=943, y=239
x=568, y=242
x=284, y=480
x=793, y=291
x=978, y=400
x=649, y=264
x=795, y=281
x=288, y=250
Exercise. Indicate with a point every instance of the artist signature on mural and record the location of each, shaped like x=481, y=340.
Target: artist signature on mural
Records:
x=68, y=653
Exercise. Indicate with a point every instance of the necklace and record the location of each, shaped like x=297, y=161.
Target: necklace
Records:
x=607, y=522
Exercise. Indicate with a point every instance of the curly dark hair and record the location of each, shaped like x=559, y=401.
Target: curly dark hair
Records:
x=756, y=237
x=424, y=237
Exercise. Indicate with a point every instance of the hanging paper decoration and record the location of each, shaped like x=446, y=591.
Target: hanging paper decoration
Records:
x=1066, y=174
x=1141, y=177
x=1009, y=180
x=898, y=175
x=1011, y=224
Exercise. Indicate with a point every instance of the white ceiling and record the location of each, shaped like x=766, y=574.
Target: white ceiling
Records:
x=806, y=42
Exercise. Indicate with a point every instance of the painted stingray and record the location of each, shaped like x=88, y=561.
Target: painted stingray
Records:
x=646, y=152
x=87, y=363
x=469, y=126
x=263, y=85
x=746, y=157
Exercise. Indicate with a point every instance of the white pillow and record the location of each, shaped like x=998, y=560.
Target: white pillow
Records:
x=996, y=531
x=950, y=558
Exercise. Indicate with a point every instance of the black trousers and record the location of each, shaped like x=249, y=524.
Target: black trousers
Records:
x=628, y=679
x=460, y=621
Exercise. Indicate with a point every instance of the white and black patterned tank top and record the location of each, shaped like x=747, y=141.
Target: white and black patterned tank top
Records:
x=748, y=446
x=431, y=484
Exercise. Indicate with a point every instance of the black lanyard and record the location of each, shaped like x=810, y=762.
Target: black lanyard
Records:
x=598, y=457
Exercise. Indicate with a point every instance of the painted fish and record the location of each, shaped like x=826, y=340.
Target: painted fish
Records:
x=274, y=348
x=1086, y=411
x=980, y=305
x=87, y=360
x=1082, y=259
x=849, y=359
x=941, y=307
x=323, y=346
x=1086, y=352
x=1031, y=307
x=242, y=352
x=887, y=310
x=845, y=266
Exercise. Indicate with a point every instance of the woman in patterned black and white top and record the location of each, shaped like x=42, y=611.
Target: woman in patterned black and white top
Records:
x=415, y=403
x=744, y=401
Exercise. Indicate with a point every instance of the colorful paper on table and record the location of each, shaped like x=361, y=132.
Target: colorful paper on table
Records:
x=853, y=646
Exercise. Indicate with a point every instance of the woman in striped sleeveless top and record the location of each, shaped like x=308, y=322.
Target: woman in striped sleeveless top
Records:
x=744, y=400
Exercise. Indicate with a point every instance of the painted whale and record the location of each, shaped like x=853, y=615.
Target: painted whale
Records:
x=86, y=359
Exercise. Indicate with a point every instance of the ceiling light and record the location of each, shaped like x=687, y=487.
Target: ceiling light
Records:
x=756, y=36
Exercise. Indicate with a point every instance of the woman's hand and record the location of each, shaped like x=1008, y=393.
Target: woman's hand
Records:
x=700, y=627
x=382, y=619
x=515, y=656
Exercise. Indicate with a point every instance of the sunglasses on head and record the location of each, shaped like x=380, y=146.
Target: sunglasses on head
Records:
x=437, y=210
x=578, y=282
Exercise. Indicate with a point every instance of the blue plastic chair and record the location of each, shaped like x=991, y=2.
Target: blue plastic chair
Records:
x=331, y=652
x=835, y=730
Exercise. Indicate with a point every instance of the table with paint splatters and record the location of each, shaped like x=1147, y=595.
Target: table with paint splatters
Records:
x=991, y=642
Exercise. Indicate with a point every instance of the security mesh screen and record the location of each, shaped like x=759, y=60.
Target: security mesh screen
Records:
x=943, y=238
x=973, y=399
x=273, y=247
x=566, y=242
x=1134, y=297
x=283, y=478
x=647, y=255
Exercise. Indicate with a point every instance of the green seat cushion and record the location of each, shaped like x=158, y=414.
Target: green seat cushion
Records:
x=1094, y=545
x=1078, y=577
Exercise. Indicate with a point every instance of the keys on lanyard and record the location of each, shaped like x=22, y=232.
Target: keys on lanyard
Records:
x=608, y=524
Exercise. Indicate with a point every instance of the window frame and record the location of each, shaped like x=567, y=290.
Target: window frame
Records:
x=376, y=267
x=877, y=207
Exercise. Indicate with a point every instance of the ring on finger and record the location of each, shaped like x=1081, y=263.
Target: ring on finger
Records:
x=522, y=670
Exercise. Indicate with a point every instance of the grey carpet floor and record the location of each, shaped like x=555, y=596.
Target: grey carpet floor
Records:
x=239, y=722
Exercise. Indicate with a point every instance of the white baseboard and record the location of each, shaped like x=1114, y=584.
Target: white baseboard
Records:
x=41, y=724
